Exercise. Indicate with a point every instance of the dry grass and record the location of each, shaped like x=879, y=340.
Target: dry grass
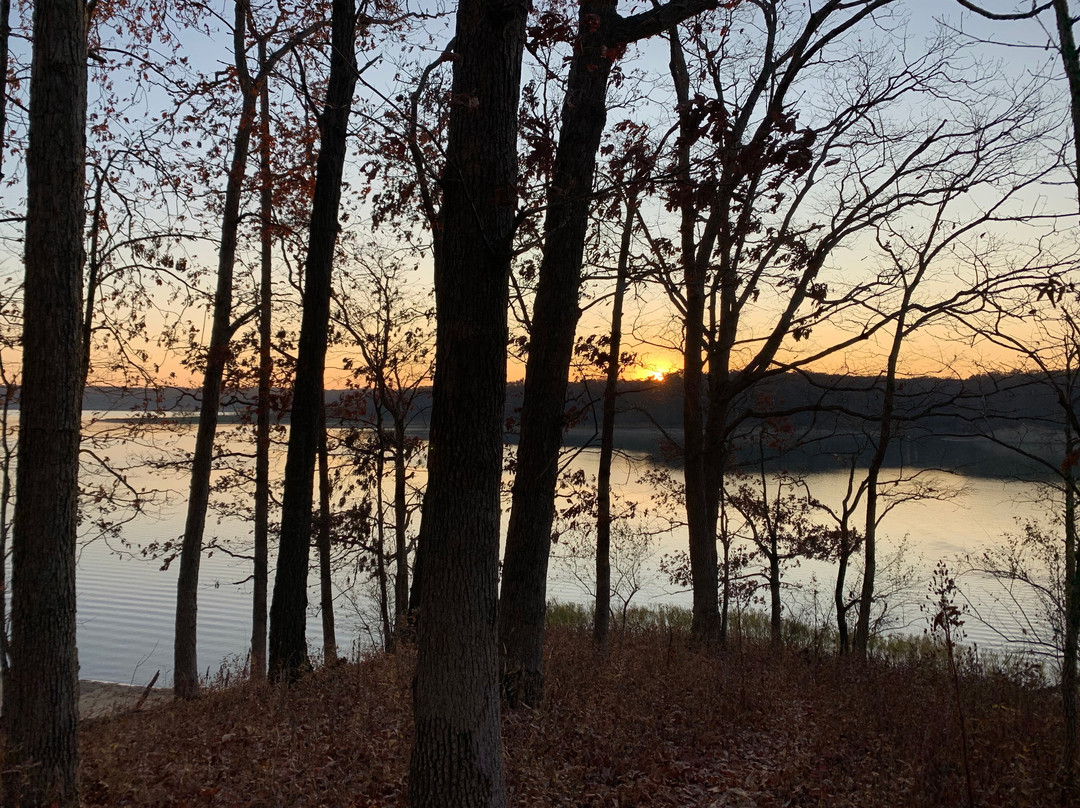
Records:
x=655, y=725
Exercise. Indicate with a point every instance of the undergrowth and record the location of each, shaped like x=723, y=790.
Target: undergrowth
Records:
x=655, y=724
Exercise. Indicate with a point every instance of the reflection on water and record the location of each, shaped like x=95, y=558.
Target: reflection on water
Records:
x=126, y=603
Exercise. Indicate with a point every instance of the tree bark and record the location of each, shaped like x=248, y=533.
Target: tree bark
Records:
x=776, y=607
x=41, y=708
x=401, y=518
x=262, y=425
x=861, y=640
x=380, y=528
x=602, y=612
x=5, y=40
x=288, y=612
x=602, y=34
x=840, y=601
x=326, y=586
x=185, y=657
x=523, y=599
x=705, y=627
x=1071, y=642
x=7, y=453
x=457, y=754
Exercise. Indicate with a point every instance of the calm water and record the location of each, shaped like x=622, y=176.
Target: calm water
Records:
x=126, y=602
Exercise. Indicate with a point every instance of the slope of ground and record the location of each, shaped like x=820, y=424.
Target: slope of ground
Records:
x=655, y=725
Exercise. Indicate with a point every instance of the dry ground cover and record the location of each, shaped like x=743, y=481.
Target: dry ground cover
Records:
x=656, y=725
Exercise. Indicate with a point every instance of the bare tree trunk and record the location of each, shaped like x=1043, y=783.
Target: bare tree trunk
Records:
x=602, y=612
x=706, y=625
x=93, y=277
x=41, y=707
x=5, y=40
x=326, y=585
x=401, y=518
x=6, y=454
x=839, y=599
x=262, y=426
x=1072, y=627
x=776, y=624
x=5, y=496
x=1070, y=60
x=380, y=531
x=457, y=754
x=185, y=658
x=288, y=612
x=523, y=599
x=885, y=432
x=602, y=33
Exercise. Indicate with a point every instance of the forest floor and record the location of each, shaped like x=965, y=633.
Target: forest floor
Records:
x=656, y=724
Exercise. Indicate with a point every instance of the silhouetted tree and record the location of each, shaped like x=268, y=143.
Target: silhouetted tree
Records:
x=288, y=611
x=457, y=754
x=41, y=707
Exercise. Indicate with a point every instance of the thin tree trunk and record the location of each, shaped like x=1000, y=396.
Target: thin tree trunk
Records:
x=5, y=497
x=776, y=625
x=1072, y=628
x=457, y=753
x=523, y=599
x=185, y=658
x=41, y=755
x=5, y=40
x=401, y=518
x=1070, y=60
x=262, y=426
x=380, y=530
x=6, y=452
x=602, y=34
x=288, y=612
x=326, y=585
x=839, y=600
x=885, y=431
x=706, y=625
x=602, y=612
x=93, y=276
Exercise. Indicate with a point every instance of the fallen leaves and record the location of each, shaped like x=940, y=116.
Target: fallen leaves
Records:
x=654, y=725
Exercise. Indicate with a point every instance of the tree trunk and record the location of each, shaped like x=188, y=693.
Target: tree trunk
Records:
x=776, y=625
x=457, y=753
x=380, y=530
x=1072, y=629
x=602, y=34
x=262, y=425
x=288, y=612
x=326, y=586
x=7, y=472
x=41, y=708
x=602, y=612
x=185, y=658
x=705, y=625
x=839, y=600
x=5, y=40
x=1070, y=60
x=523, y=599
x=885, y=431
x=401, y=518
x=5, y=496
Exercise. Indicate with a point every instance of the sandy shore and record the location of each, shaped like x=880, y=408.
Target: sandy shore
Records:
x=98, y=699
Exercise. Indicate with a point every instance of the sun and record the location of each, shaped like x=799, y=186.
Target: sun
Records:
x=656, y=376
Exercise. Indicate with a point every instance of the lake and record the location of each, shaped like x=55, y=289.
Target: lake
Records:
x=126, y=602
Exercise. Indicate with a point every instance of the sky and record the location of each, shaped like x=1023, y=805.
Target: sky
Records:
x=652, y=330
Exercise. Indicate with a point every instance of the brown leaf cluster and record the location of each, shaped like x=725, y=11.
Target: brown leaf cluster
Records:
x=656, y=724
